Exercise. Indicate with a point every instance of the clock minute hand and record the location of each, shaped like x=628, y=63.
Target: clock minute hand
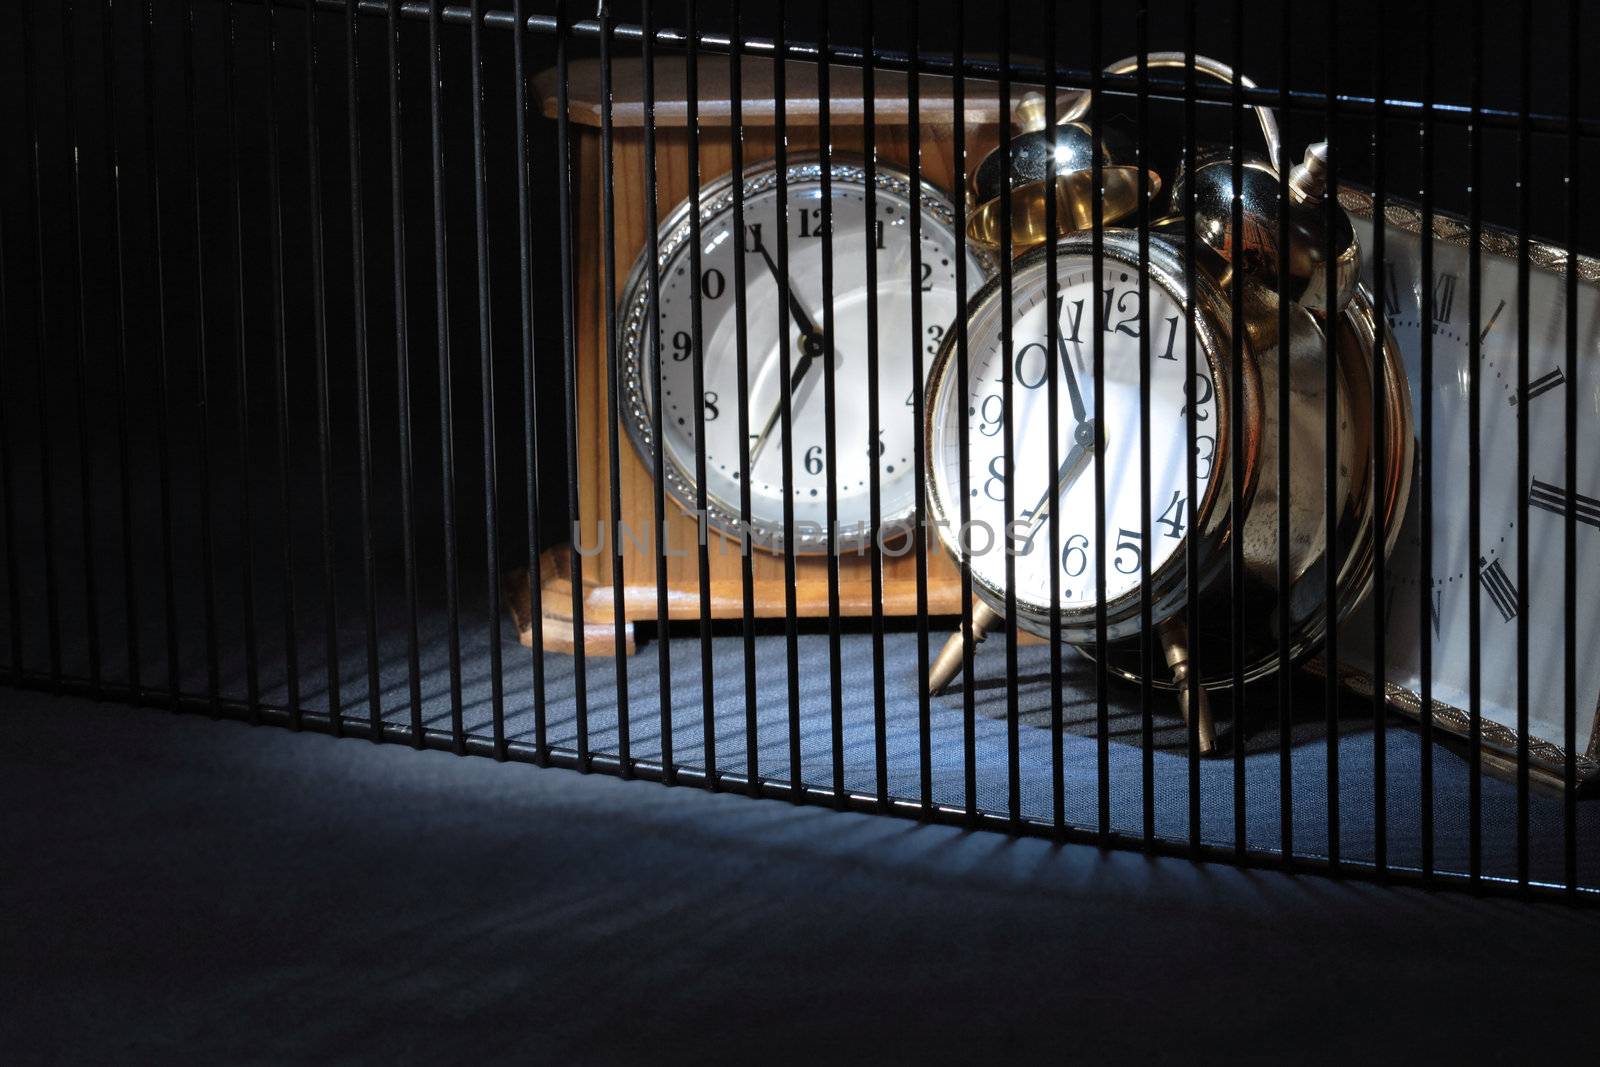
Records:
x=796, y=377
x=984, y=618
x=1071, y=469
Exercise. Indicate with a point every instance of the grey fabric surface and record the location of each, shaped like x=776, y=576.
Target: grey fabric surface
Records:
x=180, y=890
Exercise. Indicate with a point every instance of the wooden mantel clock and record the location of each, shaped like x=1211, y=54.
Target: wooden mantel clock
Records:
x=764, y=300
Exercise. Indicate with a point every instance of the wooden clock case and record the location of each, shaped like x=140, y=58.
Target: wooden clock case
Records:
x=892, y=138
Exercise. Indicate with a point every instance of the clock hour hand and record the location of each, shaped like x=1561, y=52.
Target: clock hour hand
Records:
x=1074, y=393
x=796, y=308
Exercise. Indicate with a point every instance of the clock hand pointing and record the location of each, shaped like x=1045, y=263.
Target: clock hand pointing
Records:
x=796, y=308
x=811, y=347
x=1071, y=469
x=1074, y=393
x=985, y=618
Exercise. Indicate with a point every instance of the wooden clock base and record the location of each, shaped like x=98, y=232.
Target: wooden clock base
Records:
x=727, y=598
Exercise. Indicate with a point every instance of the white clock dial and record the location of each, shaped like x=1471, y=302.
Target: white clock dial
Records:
x=1070, y=487
x=1504, y=602
x=802, y=221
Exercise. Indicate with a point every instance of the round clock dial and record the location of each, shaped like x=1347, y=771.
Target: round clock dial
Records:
x=789, y=321
x=1084, y=431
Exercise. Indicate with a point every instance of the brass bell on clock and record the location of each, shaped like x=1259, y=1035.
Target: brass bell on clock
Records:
x=1072, y=145
x=1255, y=250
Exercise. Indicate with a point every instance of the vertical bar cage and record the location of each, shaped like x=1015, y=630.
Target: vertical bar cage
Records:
x=1169, y=425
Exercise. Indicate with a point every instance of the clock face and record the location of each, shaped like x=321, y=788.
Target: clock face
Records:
x=787, y=324
x=1085, y=431
x=1504, y=602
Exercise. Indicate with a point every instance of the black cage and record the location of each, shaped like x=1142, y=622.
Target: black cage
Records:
x=627, y=389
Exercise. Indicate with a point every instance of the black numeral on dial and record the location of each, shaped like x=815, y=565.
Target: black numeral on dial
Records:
x=1173, y=517
x=1542, y=384
x=1554, y=498
x=1499, y=587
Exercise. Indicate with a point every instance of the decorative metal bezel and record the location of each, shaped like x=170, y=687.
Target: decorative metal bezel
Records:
x=717, y=198
x=1545, y=756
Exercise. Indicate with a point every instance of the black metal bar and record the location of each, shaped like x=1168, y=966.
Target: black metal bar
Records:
x=1285, y=677
x=319, y=305
x=402, y=350
x=869, y=135
x=708, y=708
x=969, y=711
x=358, y=290
x=741, y=326
x=1236, y=562
x=80, y=370
x=1474, y=487
x=1192, y=574
x=1102, y=677
x=918, y=405
x=1008, y=507
x=1330, y=457
x=491, y=472
x=280, y=356
x=441, y=287
x=7, y=478
x=653, y=252
x=608, y=253
x=130, y=587
x=1379, y=450
x=1569, y=726
x=30, y=118
x=208, y=564
x=830, y=442
x=791, y=631
x=1524, y=218
x=247, y=598
x=1424, y=469
x=1052, y=283
x=1147, y=625
x=569, y=361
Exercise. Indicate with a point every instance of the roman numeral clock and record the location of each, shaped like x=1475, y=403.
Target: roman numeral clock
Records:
x=1504, y=606
x=657, y=406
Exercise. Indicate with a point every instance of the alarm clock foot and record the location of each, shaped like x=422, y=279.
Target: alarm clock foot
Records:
x=1175, y=644
x=948, y=663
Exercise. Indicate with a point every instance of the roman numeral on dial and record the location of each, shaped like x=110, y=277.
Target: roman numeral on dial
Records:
x=1444, y=297
x=1554, y=498
x=1499, y=588
x=1542, y=384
